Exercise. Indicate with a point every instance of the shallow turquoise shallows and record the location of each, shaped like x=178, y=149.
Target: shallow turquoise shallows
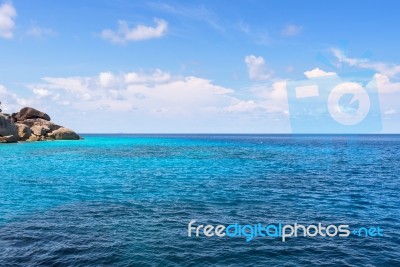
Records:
x=126, y=200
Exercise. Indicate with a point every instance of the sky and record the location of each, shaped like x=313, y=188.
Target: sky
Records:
x=123, y=66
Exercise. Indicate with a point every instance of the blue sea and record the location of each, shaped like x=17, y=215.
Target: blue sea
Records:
x=126, y=200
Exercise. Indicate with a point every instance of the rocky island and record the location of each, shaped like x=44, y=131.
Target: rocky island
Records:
x=30, y=124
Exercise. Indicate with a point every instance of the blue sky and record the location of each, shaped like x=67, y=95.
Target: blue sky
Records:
x=192, y=66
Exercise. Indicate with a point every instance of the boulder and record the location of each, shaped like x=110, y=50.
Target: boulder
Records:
x=39, y=130
x=9, y=139
x=64, y=134
x=30, y=113
x=34, y=138
x=7, y=127
x=23, y=131
x=41, y=122
x=30, y=124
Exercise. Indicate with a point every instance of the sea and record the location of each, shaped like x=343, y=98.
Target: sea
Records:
x=127, y=200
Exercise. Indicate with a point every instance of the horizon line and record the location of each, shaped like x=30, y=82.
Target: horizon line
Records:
x=232, y=133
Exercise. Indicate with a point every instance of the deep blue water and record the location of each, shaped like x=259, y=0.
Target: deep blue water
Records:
x=126, y=200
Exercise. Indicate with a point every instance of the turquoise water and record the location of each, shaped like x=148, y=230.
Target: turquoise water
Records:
x=126, y=200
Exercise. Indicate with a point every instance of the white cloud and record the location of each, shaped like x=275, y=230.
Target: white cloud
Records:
x=390, y=70
x=106, y=79
x=141, y=32
x=317, y=72
x=11, y=101
x=291, y=30
x=272, y=97
x=7, y=24
x=342, y=58
x=157, y=76
x=40, y=92
x=38, y=32
x=158, y=94
x=385, y=85
x=269, y=98
x=141, y=91
x=242, y=106
x=199, y=13
x=256, y=68
x=390, y=111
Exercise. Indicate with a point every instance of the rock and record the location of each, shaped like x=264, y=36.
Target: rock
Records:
x=23, y=131
x=7, y=127
x=30, y=124
x=9, y=139
x=34, y=138
x=64, y=134
x=50, y=136
x=41, y=122
x=30, y=113
x=39, y=130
